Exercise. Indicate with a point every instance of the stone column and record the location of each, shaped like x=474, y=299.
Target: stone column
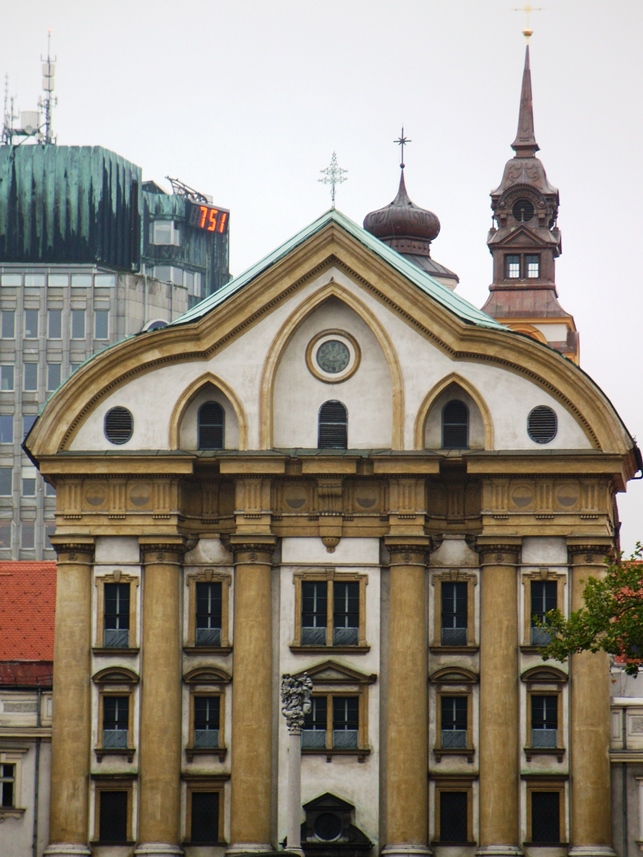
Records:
x=407, y=699
x=71, y=740
x=295, y=703
x=499, y=701
x=251, y=798
x=589, y=717
x=160, y=726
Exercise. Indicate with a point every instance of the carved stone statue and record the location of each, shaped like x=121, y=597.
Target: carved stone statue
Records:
x=295, y=700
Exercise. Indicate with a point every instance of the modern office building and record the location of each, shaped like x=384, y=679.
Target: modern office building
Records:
x=338, y=467
x=88, y=256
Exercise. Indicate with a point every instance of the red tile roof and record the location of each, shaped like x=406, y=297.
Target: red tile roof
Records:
x=27, y=609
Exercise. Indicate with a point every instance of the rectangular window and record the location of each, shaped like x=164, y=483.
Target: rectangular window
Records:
x=454, y=821
x=30, y=380
x=101, y=324
x=315, y=725
x=28, y=486
x=7, y=785
x=112, y=825
x=104, y=281
x=204, y=817
x=6, y=428
x=27, y=421
x=54, y=324
x=54, y=373
x=545, y=817
x=207, y=713
x=80, y=280
x=31, y=324
x=6, y=480
x=544, y=721
x=6, y=378
x=116, y=615
x=34, y=280
x=314, y=616
x=345, y=722
x=341, y=626
x=165, y=232
x=12, y=279
x=332, y=723
x=28, y=535
x=78, y=324
x=345, y=613
x=115, y=722
x=532, y=263
x=543, y=599
x=454, y=613
x=5, y=531
x=8, y=324
x=512, y=267
x=50, y=491
x=453, y=721
x=55, y=280
x=208, y=614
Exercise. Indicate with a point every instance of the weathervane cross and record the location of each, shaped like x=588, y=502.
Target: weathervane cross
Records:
x=333, y=175
x=401, y=142
x=528, y=9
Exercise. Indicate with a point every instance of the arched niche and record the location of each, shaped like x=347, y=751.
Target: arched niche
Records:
x=294, y=387
x=184, y=420
x=428, y=427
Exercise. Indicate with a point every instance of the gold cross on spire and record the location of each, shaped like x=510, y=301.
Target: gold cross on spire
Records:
x=528, y=9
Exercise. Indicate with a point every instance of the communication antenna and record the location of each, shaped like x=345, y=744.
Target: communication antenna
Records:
x=181, y=189
x=9, y=116
x=48, y=100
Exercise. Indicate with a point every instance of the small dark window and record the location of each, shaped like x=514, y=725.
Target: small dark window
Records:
x=542, y=424
x=523, y=210
x=205, y=817
x=207, y=712
x=345, y=614
x=113, y=817
x=345, y=721
x=512, y=267
x=314, y=612
x=208, y=614
x=328, y=826
x=314, y=731
x=116, y=632
x=7, y=785
x=453, y=710
x=543, y=599
x=119, y=425
x=115, y=722
x=453, y=816
x=532, y=263
x=211, y=426
x=333, y=426
x=455, y=425
x=545, y=817
x=454, y=614
x=544, y=721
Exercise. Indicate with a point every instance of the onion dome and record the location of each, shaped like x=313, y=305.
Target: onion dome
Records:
x=403, y=225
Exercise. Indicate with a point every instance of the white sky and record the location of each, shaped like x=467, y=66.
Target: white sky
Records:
x=247, y=100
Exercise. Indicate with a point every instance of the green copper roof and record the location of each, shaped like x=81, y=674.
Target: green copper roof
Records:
x=430, y=286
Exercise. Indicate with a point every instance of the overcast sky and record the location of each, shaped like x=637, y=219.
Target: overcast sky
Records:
x=247, y=100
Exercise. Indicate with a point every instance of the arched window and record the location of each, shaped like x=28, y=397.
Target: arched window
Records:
x=455, y=425
x=211, y=426
x=333, y=426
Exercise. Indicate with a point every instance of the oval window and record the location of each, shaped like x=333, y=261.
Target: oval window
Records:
x=119, y=425
x=542, y=424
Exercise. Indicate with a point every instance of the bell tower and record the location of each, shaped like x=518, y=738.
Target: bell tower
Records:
x=525, y=242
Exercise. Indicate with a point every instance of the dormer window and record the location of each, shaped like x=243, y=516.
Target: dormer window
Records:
x=512, y=266
x=518, y=267
x=532, y=263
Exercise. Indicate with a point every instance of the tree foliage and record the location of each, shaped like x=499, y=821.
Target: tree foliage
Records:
x=611, y=619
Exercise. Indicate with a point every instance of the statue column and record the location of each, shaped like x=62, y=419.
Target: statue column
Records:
x=407, y=699
x=160, y=728
x=295, y=703
x=591, y=834
x=71, y=739
x=251, y=798
x=499, y=700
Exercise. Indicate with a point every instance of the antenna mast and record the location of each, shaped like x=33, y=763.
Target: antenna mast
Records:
x=7, y=123
x=48, y=101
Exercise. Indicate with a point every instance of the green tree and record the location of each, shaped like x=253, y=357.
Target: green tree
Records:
x=611, y=619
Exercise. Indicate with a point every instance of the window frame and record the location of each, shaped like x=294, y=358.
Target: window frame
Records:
x=112, y=682
x=213, y=785
x=207, y=682
x=331, y=679
x=11, y=381
x=119, y=784
x=544, y=681
x=11, y=756
x=544, y=575
x=554, y=783
x=444, y=425
x=330, y=575
x=459, y=683
x=116, y=576
x=455, y=784
x=200, y=423
x=208, y=575
x=29, y=313
x=527, y=266
x=454, y=576
x=343, y=423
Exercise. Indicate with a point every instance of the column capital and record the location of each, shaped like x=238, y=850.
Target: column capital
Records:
x=73, y=549
x=253, y=549
x=504, y=552
x=589, y=553
x=408, y=550
x=161, y=550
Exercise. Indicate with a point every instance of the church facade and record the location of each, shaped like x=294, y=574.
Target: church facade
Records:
x=337, y=466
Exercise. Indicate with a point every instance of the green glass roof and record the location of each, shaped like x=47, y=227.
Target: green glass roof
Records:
x=429, y=285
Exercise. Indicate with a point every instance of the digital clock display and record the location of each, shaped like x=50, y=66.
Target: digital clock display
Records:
x=208, y=218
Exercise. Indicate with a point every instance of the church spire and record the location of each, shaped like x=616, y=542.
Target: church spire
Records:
x=525, y=145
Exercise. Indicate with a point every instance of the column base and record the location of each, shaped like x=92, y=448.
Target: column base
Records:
x=406, y=849
x=499, y=851
x=254, y=848
x=158, y=849
x=66, y=849
x=591, y=851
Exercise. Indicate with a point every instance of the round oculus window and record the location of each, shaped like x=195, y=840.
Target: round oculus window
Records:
x=523, y=210
x=542, y=424
x=333, y=356
x=327, y=826
x=119, y=425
